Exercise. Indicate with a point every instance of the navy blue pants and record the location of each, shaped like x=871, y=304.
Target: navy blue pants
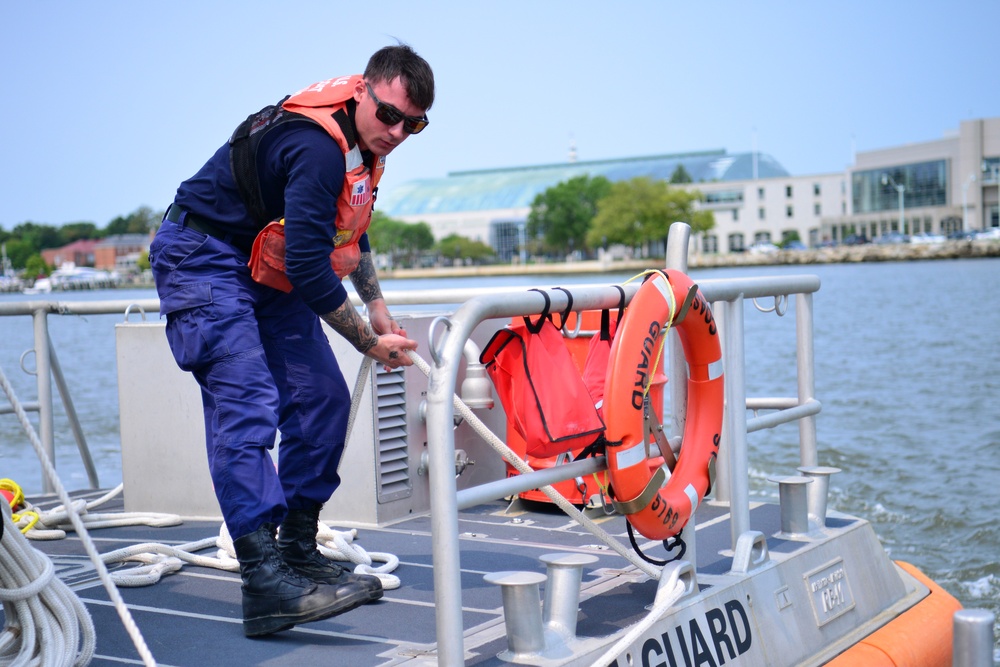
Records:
x=264, y=365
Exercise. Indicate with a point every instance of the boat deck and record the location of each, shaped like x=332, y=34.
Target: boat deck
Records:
x=193, y=617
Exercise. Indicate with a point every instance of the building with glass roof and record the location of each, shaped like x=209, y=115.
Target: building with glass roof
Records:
x=516, y=187
x=489, y=205
x=938, y=186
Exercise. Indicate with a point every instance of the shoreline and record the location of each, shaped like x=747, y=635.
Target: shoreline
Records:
x=970, y=249
x=838, y=255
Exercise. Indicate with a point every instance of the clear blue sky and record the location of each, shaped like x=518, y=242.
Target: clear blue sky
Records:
x=107, y=105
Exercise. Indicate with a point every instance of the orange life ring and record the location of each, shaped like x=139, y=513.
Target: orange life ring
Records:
x=656, y=510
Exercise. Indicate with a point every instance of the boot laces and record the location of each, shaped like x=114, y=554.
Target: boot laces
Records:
x=321, y=561
x=286, y=571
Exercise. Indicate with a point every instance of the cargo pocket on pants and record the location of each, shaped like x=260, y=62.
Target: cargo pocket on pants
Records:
x=185, y=308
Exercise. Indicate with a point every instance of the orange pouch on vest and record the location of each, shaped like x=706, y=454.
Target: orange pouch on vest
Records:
x=267, y=258
x=541, y=389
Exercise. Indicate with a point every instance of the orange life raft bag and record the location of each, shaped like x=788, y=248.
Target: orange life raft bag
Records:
x=540, y=387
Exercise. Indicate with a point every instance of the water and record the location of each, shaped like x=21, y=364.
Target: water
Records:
x=907, y=370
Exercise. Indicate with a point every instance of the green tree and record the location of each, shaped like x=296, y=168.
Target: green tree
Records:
x=74, y=231
x=680, y=175
x=143, y=261
x=639, y=211
x=402, y=241
x=562, y=215
x=789, y=237
x=36, y=266
x=140, y=221
x=454, y=246
x=18, y=252
x=36, y=236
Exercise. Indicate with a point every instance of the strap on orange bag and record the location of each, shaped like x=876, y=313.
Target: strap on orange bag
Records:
x=540, y=387
x=267, y=258
x=595, y=367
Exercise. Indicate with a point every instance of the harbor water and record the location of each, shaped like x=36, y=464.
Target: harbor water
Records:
x=907, y=371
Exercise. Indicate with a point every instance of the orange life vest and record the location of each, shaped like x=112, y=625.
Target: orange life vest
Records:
x=330, y=104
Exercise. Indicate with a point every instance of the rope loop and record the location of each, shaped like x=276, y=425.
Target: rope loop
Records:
x=779, y=308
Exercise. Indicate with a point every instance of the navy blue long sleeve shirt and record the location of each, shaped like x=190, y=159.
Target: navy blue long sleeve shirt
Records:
x=301, y=171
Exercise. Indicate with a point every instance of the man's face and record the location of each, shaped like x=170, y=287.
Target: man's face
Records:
x=373, y=134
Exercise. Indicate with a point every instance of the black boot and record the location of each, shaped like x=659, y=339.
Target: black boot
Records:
x=297, y=544
x=275, y=598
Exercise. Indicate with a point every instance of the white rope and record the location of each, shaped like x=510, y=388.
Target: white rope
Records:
x=511, y=457
x=667, y=595
x=334, y=544
x=53, y=524
x=75, y=605
x=359, y=388
x=46, y=624
x=161, y=559
x=338, y=545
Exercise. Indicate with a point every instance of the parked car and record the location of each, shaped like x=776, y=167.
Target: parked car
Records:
x=892, y=237
x=793, y=245
x=927, y=239
x=991, y=233
x=964, y=235
x=855, y=239
x=762, y=248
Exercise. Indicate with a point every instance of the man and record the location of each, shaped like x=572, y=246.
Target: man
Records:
x=257, y=350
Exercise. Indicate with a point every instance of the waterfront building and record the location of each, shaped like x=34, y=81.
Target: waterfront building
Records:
x=947, y=185
x=120, y=252
x=79, y=253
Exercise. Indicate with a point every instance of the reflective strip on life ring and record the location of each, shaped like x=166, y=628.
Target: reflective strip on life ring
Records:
x=660, y=512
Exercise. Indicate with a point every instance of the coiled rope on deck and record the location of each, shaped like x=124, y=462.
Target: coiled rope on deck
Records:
x=52, y=524
x=46, y=624
x=17, y=630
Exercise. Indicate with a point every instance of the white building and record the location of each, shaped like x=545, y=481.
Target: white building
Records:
x=947, y=185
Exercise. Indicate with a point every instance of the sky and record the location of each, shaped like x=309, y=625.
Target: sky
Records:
x=108, y=105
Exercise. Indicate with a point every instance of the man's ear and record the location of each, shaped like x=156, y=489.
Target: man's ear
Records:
x=359, y=89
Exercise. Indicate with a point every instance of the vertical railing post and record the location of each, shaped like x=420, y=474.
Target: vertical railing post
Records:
x=444, y=511
x=723, y=474
x=43, y=378
x=972, y=638
x=736, y=399
x=677, y=247
x=805, y=361
x=678, y=241
x=74, y=420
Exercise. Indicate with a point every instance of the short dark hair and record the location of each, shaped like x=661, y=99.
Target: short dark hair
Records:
x=391, y=61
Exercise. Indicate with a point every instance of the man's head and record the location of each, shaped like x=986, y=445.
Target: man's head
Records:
x=393, y=98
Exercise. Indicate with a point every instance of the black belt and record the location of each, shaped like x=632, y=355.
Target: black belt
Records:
x=187, y=219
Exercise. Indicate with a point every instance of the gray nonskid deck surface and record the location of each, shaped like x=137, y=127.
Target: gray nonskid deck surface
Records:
x=193, y=617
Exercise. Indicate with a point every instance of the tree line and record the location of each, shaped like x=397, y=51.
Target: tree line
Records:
x=586, y=213
x=24, y=244
x=580, y=215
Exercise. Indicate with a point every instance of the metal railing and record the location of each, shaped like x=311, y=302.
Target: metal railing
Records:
x=728, y=298
x=48, y=369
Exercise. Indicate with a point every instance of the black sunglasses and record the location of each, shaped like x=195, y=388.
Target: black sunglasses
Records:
x=390, y=115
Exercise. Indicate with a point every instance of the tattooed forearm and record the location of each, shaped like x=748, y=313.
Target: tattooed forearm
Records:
x=364, y=279
x=346, y=321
